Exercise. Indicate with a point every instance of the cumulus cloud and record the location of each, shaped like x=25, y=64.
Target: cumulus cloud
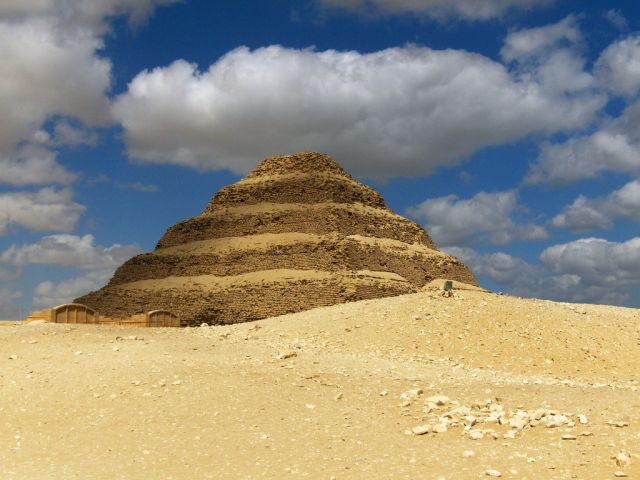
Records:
x=484, y=217
x=618, y=67
x=530, y=43
x=51, y=67
x=588, y=270
x=439, y=9
x=617, y=19
x=49, y=293
x=69, y=250
x=614, y=147
x=33, y=165
x=598, y=262
x=46, y=72
x=8, y=310
x=400, y=111
x=598, y=213
x=47, y=209
x=90, y=14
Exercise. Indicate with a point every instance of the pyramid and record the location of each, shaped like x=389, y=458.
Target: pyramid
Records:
x=297, y=233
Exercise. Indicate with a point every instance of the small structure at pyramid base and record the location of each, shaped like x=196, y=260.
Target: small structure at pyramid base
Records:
x=297, y=233
x=78, y=314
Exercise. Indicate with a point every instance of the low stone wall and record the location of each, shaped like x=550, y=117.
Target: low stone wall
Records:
x=84, y=315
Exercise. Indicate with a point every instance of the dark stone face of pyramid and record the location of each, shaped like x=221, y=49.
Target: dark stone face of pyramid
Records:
x=297, y=233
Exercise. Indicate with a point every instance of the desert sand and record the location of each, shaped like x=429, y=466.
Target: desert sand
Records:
x=414, y=386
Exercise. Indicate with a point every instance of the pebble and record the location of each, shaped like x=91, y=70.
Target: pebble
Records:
x=569, y=437
x=440, y=428
x=492, y=473
x=476, y=434
x=583, y=419
x=287, y=354
x=412, y=393
x=13, y=357
x=622, y=459
x=338, y=396
x=620, y=473
x=420, y=429
x=439, y=400
x=468, y=453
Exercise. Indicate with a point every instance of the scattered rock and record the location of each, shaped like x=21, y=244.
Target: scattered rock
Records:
x=569, y=437
x=622, y=459
x=287, y=354
x=421, y=429
x=440, y=428
x=620, y=474
x=438, y=400
x=492, y=473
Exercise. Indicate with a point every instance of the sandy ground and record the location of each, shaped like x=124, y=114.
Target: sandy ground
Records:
x=517, y=388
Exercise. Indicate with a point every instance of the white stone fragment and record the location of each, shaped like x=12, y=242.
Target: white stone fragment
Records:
x=492, y=473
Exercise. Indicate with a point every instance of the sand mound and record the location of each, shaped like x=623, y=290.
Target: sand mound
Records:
x=413, y=386
x=299, y=213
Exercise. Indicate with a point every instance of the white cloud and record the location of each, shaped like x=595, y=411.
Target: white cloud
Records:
x=138, y=186
x=598, y=213
x=589, y=270
x=484, y=217
x=439, y=9
x=400, y=111
x=617, y=19
x=8, y=309
x=67, y=134
x=32, y=165
x=69, y=250
x=618, y=67
x=49, y=294
x=47, y=209
x=90, y=14
x=51, y=67
x=527, y=44
x=596, y=261
x=614, y=147
x=46, y=71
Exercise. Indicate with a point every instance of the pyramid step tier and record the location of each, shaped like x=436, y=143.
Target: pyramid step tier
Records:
x=234, y=256
x=319, y=219
x=242, y=298
x=300, y=188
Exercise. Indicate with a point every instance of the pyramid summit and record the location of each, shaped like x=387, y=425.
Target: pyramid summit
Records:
x=297, y=233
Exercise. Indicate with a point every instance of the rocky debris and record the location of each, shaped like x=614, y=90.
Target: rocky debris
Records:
x=441, y=417
x=332, y=239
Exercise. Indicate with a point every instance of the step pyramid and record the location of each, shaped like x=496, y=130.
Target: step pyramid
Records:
x=297, y=233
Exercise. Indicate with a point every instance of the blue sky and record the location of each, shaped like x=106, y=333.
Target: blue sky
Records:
x=509, y=128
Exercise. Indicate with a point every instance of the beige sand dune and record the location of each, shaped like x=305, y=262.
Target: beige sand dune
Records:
x=550, y=391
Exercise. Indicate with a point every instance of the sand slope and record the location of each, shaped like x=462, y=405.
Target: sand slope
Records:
x=329, y=393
